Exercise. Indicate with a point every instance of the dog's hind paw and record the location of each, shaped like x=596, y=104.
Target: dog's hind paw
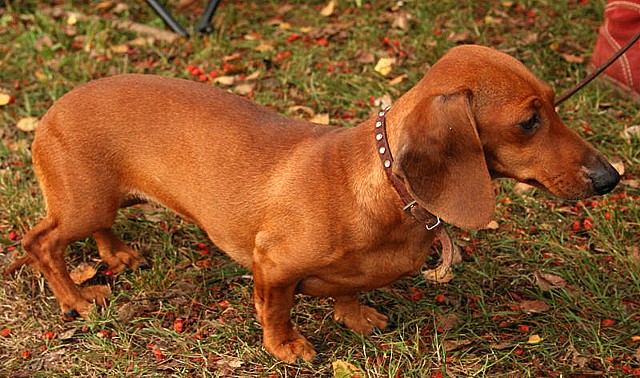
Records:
x=362, y=319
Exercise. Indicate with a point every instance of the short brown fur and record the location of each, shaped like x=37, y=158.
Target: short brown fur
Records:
x=306, y=207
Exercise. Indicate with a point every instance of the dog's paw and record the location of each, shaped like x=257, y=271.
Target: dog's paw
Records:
x=127, y=259
x=364, y=321
x=82, y=306
x=291, y=348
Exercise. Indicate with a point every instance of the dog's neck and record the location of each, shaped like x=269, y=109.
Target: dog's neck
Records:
x=386, y=158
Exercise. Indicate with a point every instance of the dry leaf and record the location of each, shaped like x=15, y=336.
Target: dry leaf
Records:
x=523, y=189
x=303, y=109
x=244, y=89
x=365, y=57
x=72, y=20
x=382, y=102
x=253, y=76
x=578, y=359
x=83, y=273
x=401, y=20
x=385, y=66
x=493, y=225
x=534, y=307
x=328, y=9
x=5, y=99
x=284, y=26
x=460, y=37
x=104, y=5
x=27, y=123
x=398, y=79
x=120, y=49
x=631, y=183
x=264, y=46
x=434, y=275
x=343, y=369
x=451, y=345
x=548, y=281
x=502, y=345
x=573, y=58
x=534, y=339
x=618, y=165
x=225, y=80
x=630, y=132
x=322, y=119
x=447, y=322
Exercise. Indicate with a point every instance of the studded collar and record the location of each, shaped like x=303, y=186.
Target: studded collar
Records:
x=411, y=206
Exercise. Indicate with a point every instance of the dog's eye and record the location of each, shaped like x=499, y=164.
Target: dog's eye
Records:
x=531, y=123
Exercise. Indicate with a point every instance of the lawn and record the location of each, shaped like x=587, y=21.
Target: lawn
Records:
x=552, y=290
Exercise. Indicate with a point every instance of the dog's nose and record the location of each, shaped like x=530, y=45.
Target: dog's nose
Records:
x=604, y=176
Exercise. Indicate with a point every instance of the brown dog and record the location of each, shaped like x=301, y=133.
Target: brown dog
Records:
x=308, y=208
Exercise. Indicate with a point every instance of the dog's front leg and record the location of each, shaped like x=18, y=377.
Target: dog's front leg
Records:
x=274, y=299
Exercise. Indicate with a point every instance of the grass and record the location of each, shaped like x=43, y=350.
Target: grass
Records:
x=192, y=314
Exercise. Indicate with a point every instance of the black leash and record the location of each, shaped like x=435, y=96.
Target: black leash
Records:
x=598, y=71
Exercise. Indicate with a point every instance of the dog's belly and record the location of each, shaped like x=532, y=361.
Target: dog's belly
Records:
x=367, y=273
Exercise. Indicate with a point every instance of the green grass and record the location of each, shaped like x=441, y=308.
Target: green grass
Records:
x=586, y=329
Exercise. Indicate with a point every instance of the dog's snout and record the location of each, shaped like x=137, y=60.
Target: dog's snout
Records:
x=604, y=177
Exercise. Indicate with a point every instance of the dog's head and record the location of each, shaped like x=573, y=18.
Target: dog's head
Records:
x=480, y=115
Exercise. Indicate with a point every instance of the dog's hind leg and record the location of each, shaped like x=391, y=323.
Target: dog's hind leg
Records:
x=115, y=253
x=45, y=245
x=359, y=318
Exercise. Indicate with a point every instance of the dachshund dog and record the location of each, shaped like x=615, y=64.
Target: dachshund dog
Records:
x=308, y=208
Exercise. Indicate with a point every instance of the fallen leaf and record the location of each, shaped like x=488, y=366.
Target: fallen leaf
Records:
x=493, y=225
x=72, y=20
x=451, y=345
x=635, y=338
x=398, y=79
x=434, y=275
x=502, y=345
x=631, y=183
x=244, y=89
x=534, y=339
x=225, y=80
x=401, y=20
x=5, y=99
x=578, y=359
x=120, y=49
x=523, y=189
x=264, y=46
x=300, y=108
x=284, y=26
x=27, y=123
x=83, y=273
x=254, y=76
x=322, y=119
x=328, y=9
x=68, y=334
x=533, y=307
x=546, y=281
x=459, y=37
x=570, y=58
x=365, y=57
x=630, y=132
x=382, y=102
x=447, y=322
x=618, y=165
x=343, y=369
x=385, y=66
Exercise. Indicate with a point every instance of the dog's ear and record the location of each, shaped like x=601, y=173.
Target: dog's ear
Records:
x=442, y=163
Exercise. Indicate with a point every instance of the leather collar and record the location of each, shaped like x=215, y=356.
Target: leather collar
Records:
x=411, y=206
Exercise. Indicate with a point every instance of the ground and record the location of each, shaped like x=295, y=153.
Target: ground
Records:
x=551, y=290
